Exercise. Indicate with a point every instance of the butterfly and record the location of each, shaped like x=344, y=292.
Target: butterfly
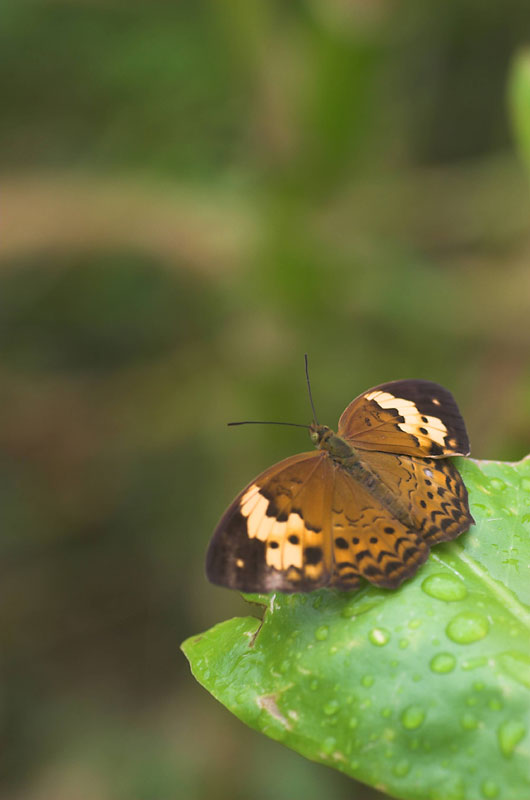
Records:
x=369, y=502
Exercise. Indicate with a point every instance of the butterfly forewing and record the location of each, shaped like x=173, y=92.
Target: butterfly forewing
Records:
x=276, y=534
x=409, y=417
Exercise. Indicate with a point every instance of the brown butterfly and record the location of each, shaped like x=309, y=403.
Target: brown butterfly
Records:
x=368, y=503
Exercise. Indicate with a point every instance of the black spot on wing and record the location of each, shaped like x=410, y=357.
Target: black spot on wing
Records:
x=313, y=555
x=341, y=543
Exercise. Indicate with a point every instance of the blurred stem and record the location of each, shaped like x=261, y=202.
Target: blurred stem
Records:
x=519, y=102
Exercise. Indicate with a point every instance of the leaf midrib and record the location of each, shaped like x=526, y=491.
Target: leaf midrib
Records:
x=505, y=597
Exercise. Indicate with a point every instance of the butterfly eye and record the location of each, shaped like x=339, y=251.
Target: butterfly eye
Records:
x=315, y=438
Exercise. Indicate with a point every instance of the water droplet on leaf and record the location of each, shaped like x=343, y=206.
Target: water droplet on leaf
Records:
x=489, y=789
x=467, y=627
x=321, y=633
x=379, y=636
x=468, y=722
x=497, y=484
x=443, y=663
x=510, y=734
x=401, y=769
x=412, y=717
x=445, y=587
x=331, y=707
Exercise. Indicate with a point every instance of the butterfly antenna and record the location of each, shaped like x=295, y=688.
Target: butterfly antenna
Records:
x=309, y=389
x=267, y=422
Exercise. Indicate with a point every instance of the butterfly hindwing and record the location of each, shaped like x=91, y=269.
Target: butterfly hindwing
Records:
x=410, y=417
x=275, y=536
x=368, y=541
x=431, y=489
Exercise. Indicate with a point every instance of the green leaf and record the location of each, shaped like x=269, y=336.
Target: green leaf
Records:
x=423, y=692
x=519, y=102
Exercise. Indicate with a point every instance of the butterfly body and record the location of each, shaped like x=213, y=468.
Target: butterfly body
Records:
x=368, y=503
x=346, y=457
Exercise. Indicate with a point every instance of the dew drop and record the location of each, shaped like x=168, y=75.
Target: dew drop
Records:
x=414, y=623
x=349, y=611
x=331, y=707
x=328, y=745
x=367, y=680
x=510, y=734
x=443, y=663
x=404, y=643
x=467, y=627
x=445, y=587
x=497, y=484
x=489, y=789
x=495, y=704
x=517, y=666
x=379, y=636
x=412, y=717
x=321, y=633
x=468, y=722
x=386, y=712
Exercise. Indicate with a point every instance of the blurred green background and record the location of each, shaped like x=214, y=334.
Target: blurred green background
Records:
x=194, y=195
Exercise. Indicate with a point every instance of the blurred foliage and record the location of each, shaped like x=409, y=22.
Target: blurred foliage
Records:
x=195, y=194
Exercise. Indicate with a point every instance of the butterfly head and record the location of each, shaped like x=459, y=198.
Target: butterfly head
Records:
x=319, y=433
